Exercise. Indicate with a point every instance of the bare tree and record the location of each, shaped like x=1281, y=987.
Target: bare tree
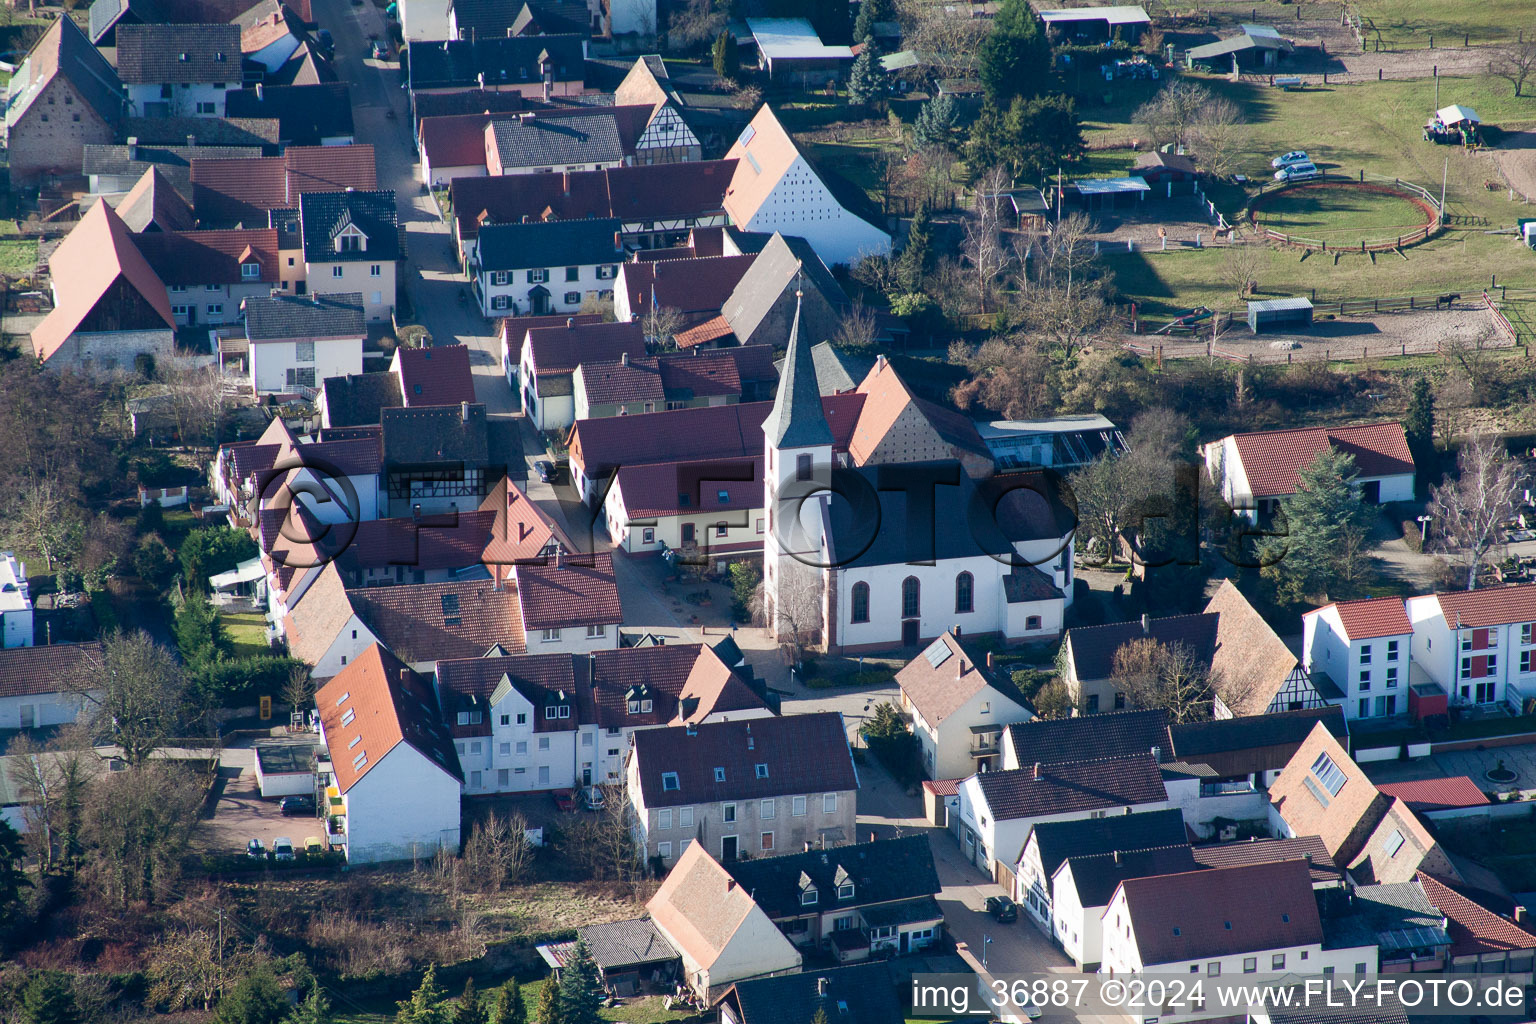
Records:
x=299, y=690
x=1240, y=266
x=136, y=697
x=1167, y=676
x=877, y=272
x=1477, y=358
x=984, y=249
x=660, y=324
x=1470, y=516
x=1068, y=251
x=45, y=519
x=1515, y=62
x=696, y=23
x=1067, y=320
x=1170, y=116
x=498, y=853
x=53, y=782
x=795, y=618
x=1219, y=136
x=1010, y=376
x=138, y=824
x=196, y=398
x=945, y=33
x=185, y=970
x=858, y=329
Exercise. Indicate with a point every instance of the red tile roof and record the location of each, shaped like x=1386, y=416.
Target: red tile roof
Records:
x=1222, y=911
x=1267, y=851
x=521, y=530
x=25, y=671
x=711, y=374
x=655, y=489
x=559, y=350
x=1489, y=606
x=329, y=169
x=713, y=329
x=686, y=285
x=435, y=376
x=431, y=621
x=453, y=140
x=569, y=590
x=211, y=257
x=383, y=704
x=448, y=541
x=242, y=191
x=1373, y=617
x=1436, y=794
x=1273, y=459
x=1473, y=927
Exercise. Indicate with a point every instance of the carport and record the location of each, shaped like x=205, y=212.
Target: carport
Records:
x=285, y=768
x=1277, y=313
x=1106, y=193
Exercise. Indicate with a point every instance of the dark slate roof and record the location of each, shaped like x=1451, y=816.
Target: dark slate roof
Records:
x=1059, y=840
x=305, y=114
x=470, y=101
x=626, y=943
x=1239, y=746
x=305, y=316
x=174, y=162
x=797, y=420
x=881, y=872
x=235, y=130
x=435, y=433
x=1070, y=786
x=1094, y=647
x=1111, y=734
x=476, y=18
x=1098, y=875
x=775, y=269
x=358, y=398
x=554, y=141
x=861, y=992
x=50, y=668
x=156, y=54
x=1263, y=851
x=459, y=62
x=564, y=243
x=323, y=215
x=551, y=17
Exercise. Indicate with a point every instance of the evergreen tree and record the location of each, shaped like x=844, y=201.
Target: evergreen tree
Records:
x=315, y=1009
x=917, y=258
x=469, y=1009
x=866, y=82
x=581, y=987
x=937, y=123
x=727, y=57
x=49, y=998
x=1325, y=523
x=424, y=1005
x=1043, y=134
x=200, y=633
x=987, y=144
x=507, y=1007
x=548, y=1009
x=1015, y=57
x=1419, y=425
x=871, y=13
x=256, y=999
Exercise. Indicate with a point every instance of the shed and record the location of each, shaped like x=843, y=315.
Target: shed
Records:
x=632, y=956
x=1106, y=193
x=1271, y=313
x=1030, y=207
x=791, y=50
x=1098, y=22
x=285, y=768
x=1258, y=46
x=1455, y=114
x=1157, y=168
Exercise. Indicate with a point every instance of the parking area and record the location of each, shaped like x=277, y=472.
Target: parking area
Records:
x=241, y=815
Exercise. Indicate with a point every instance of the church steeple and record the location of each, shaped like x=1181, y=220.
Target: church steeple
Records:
x=797, y=419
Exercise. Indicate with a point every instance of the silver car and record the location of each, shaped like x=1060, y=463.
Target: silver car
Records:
x=1295, y=156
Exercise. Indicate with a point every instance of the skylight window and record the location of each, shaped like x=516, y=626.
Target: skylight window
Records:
x=669, y=781
x=1328, y=774
x=451, y=610
x=343, y=698
x=361, y=759
x=762, y=771
x=719, y=774
x=1393, y=843
x=349, y=716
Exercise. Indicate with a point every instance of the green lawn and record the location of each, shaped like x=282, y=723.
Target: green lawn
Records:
x=1408, y=24
x=1340, y=212
x=18, y=257
x=644, y=1011
x=248, y=631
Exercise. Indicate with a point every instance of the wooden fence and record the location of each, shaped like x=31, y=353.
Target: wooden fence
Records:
x=1388, y=244
x=1500, y=321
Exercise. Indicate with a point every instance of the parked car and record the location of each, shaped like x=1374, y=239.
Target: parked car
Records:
x=378, y=51
x=565, y=799
x=1295, y=156
x=282, y=849
x=327, y=43
x=592, y=798
x=1002, y=909
x=314, y=846
x=255, y=850
x=1297, y=172
x=548, y=472
x=293, y=806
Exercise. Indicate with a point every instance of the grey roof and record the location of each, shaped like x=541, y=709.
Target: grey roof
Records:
x=358, y=398
x=774, y=270
x=1266, y=305
x=305, y=316
x=103, y=15
x=1059, y=840
x=618, y=945
x=324, y=215
x=883, y=871
x=175, y=162
x=1237, y=44
x=1097, y=875
x=460, y=62
x=1093, y=647
x=156, y=54
x=284, y=757
x=836, y=370
x=305, y=114
x=1111, y=734
x=797, y=419
x=253, y=130
x=560, y=243
x=1386, y=1010
x=69, y=53
x=555, y=141
x=429, y=434
x=861, y=992
x=1395, y=916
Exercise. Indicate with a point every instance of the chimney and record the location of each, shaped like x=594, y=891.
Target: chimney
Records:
x=880, y=362
x=751, y=743
x=191, y=141
x=464, y=411
x=570, y=323
x=624, y=359
x=989, y=660
x=1117, y=856
x=956, y=630
x=261, y=92
x=807, y=846
x=566, y=177
x=1521, y=913
x=1157, y=754
x=548, y=90
x=559, y=558
x=1037, y=769
x=730, y=883
x=821, y=986
x=405, y=676
x=871, y=835
x=1146, y=624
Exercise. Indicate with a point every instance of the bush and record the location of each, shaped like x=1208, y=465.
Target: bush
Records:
x=893, y=744
x=1030, y=680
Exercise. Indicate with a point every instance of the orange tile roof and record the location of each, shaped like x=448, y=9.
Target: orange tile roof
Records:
x=1490, y=606
x=772, y=153
x=1373, y=617
x=1273, y=459
x=1436, y=794
x=95, y=255
x=712, y=329
x=1221, y=911
x=521, y=530
x=1473, y=927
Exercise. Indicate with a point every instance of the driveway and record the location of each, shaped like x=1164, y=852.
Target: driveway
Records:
x=242, y=815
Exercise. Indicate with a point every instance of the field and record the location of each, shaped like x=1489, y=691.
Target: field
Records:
x=1341, y=212
x=18, y=257
x=1408, y=24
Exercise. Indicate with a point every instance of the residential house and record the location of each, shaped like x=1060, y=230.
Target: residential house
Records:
x=253, y=479
x=425, y=623
x=117, y=167
x=541, y=721
x=722, y=935
x=1221, y=922
x=244, y=192
x=569, y=603
x=1397, y=918
x=669, y=138
x=179, y=70
x=1487, y=637
x=63, y=96
x=853, y=902
x=657, y=206
x=998, y=809
x=787, y=276
x=1118, y=734
x=514, y=331
x=1089, y=657
x=1255, y=671
x=16, y=620
x=705, y=513
x=777, y=189
x=351, y=246
x=259, y=133
x=392, y=765
x=297, y=341
x=1481, y=940
x=153, y=205
x=553, y=356
x=544, y=268
x=538, y=67
x=1449, y=797
x=695, y=288
x=960, y=706
x=1361, y=650
x=1376, y=838
x=743, y=787
x=1326, y=875
x=861, y=992
x=440, y=375
x=317, y=619
x=307, y=115
x=40, y=686
x=436, y=458
x=110, y=308
x=521, y=144
x=1051, y=843
x=1082, y=887
x=357, y=399
x=209, y=274
x=1254, y=471
x=673, y=381
x=470, y=101
x=270, y=36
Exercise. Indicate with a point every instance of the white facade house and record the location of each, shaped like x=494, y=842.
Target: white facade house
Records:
x=37, y=684
x=1082, y=887
x=960, y=708
x=296, y=342
x=1254, y=471
x=1479, y=645
x=546, y=267
x=351, y=247
x=15, y=603
x=424, y=20
x=1364, y=649
x=190, y=99
x=179, y=70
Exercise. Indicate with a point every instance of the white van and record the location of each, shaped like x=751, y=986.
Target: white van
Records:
x=1297, y=172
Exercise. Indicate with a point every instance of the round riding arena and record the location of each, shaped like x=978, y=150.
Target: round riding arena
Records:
x=1342, y=215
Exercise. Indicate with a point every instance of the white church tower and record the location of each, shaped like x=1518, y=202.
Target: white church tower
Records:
x=797, y=470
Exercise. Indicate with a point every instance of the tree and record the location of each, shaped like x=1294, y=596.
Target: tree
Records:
x=424, y=1006
x=1170, y=116
x=507, y=1007
x=820, y=1016
x=938, y=123
x=49, y=998
x=1043, y=134
x=209, y=550
x=916, y=258
x=185, y=970
x=153, y=562
x=1167, y=676
x=136, y=828
x=137, y=696
x=1515, y=62
x=299, y=690
x=695, y=23
x=1015, y=59
x=1419, y=426
x=469, y=1009
x=497, y=853
x=1240, y=266
x=1054, y=700
x=726, y=57
x=200, y=633
x=659, y=324
x=794, y=619
x=1010, y=376
x=1468, y=515
x=581, y=987
x=548, y=1009
x=1219, y=137
x=12, y=878
x=255, y=999
x=195, y=395
x=858, y=330
x=888, y=738
x=945, y=33
x=984, y=248
x=46, y=519
x=1325, y=524
x=52, y=783
x=872, y=13
x=315, y=1009
x=866, y=80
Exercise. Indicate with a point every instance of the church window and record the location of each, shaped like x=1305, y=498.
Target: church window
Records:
x=964, y=585
x=802, y=467
x=911, y=597
x=860, y=602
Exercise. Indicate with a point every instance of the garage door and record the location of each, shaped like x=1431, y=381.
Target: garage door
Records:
x=1003, y=876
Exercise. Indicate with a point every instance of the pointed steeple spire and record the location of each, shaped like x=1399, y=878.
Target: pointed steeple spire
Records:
x=797, y=419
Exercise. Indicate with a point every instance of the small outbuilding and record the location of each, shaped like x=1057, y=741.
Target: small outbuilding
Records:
x=1095, y=24
x=632, y=956
x=1454, y=124
x=1105, y=193
x=791, y=51
x=1254, y=47
x=1273, y=314
x=1031, y=209
x=1167, y=174
x=285, y=768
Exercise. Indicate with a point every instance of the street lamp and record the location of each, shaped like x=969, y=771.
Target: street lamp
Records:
x=986, y=942
x=1423, y=522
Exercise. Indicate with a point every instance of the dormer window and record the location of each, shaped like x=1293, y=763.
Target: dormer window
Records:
x=808, y=897
x=250, y=271
x=845, y=891
x=669, y=782
x=351, y=240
